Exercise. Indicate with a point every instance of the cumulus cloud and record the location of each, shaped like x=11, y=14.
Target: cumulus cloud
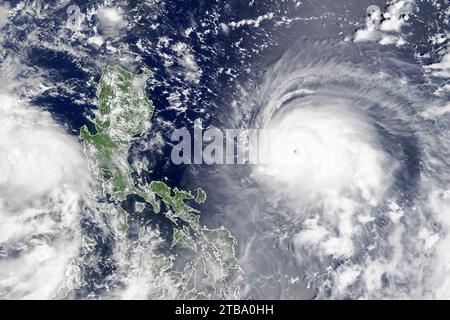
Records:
x=111, y=20
x=385, y=28
x=442, y=68
x=187, y=60
x=251, y=22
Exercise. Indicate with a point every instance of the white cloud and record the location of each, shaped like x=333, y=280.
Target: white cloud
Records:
x=436, y=111
x=96, y=40
x=368, y=34
x=43, y=179
x=187, y=60
x=438, y=280
x=347, y=277
x=396, y=15
x=442, y=68
x=111, y=20
x=111, y=17
x=389, y=30
x=251, y=22
x=5, y=10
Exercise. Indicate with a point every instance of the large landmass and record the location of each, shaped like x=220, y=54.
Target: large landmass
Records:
x=124, y=113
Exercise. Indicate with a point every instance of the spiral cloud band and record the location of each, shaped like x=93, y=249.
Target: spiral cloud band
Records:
x=359, y=168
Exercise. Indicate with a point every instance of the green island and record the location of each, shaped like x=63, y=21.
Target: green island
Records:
x=201, y=196
x=124, y=114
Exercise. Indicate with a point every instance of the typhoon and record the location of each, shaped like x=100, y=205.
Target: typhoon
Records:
x=44, y=182
x=356, y=190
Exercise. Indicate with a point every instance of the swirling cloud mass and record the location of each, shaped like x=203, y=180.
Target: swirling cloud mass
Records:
x=362, y=172
x=43, y=181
